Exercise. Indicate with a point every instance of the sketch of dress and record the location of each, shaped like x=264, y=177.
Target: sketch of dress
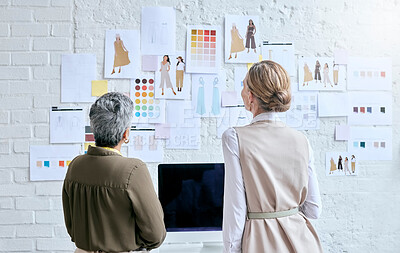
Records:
x=237, y=41
x=326, y=76
x=250, y=41
x=307, y=74
x=165, y=79
x=121, y=56
x=201, y=107
x=317, y=71
x=216, y=104
x=333, y=166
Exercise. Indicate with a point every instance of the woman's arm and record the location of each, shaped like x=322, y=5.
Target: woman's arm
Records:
x=235, y=208
x=254, y=30
x=312, y=206
x=123, y=46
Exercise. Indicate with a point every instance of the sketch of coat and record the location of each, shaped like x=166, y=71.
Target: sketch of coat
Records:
x=236, y=41
x=216, y=104
x=165, y=79
x=121, y=56
x=201, y=107
x=250, y=41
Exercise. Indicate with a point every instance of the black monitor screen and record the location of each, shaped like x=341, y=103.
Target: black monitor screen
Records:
x=191, y=196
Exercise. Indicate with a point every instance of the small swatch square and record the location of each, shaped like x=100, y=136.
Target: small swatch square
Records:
x=68, y=162
x=376, y=144
x=47, y=164
x=355, y=73
x=61, y=163
x=383, y=144
x=362, y=144
x=355, y=109
x=39, y=164
x=355, y=144
x=362, y=73
x=362, y=109
x=383, y=74
x=369, y=109
x=383, y=110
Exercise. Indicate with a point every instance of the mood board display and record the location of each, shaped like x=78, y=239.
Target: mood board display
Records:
x=173, y=89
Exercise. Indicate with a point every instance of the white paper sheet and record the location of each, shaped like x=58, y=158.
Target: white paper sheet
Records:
x=229, y=98
x=371, y=143
x=204, y=49
x=369, y=73
x=144, y=146
x=186, y=135
x=370, y=108
x=206, y=94
x=158, y=30
x=326, y=77
x=333, y=104
x=341, y=164
x=77, y=73
x=303, y=111
x=149, y=62
x=173, y=78
x=342, y=133
x=240, y=74
x=341, y=56
x=122, y=52
x=147, y=109
x=67, y=125
x=241, y=41
x=50, y=162
x=282, y=53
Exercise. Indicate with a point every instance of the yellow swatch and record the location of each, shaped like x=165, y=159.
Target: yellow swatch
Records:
x=87, y=145
x=99, y=88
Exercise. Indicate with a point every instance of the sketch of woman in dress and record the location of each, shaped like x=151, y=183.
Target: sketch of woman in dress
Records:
x=317, y=75
x=121, y=57
x=236, y=42
x=346, y=166
x=165, y=79
x=326, y=75
x=201, y=107
x=307, y=74
x=180, y=69
x=250, y=41
x=333, y=166
x=340, y=165
x=216, y=103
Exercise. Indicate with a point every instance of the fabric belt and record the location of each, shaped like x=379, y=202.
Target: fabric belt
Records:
x=273, y=215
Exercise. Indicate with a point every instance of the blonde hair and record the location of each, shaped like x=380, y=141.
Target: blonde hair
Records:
x=270, y=84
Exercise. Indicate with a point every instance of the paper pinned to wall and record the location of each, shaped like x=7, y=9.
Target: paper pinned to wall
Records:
x=320, y=73
x=229, y=98
x=370, y=108
x=77, y=73
x=341, y=164
x=341, y=56
x=67, y=125
x=203, y=48
x=371, y=143
x=158, y=30
x=162, y=131
x=240, y=74
x=149, y=62
x=206, y=94
x=282, y=53
x=369, y=73
x=50, y=162
x=144, y=146
x=303, y=111
x=342, y=132
x=241, y=38
x=333, y=104
x=99, y=88
x=186, y=135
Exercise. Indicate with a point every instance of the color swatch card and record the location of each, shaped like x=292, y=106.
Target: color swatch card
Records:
x=171, y=80
x=144, y=146
x=303, y=111
x=282, y=53
x=320, y=73
x=369, y=73
x=50, y=162
x=203, y=48
x=240, y=74
x=206, y=94
x=147, y=109
x=370, y=108
x=371, y=143
x=67, y=125
x=77, y=73
x=241, y=39
x=158, y=30
x=122, y=54
x=341, y=164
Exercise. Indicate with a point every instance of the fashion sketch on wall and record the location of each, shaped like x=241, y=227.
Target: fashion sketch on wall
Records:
x=241, y=38
x=122, y=54
x=341, y=164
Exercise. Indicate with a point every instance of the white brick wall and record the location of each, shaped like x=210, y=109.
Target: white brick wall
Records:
x=359, y=214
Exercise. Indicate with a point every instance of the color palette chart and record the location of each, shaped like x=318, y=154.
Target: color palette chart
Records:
x=203, y=49
x=369, y=73
x=146, y=108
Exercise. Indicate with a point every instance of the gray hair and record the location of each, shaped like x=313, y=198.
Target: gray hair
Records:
x=110, y=116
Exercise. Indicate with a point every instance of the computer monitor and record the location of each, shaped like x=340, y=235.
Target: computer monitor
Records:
x=191, y=196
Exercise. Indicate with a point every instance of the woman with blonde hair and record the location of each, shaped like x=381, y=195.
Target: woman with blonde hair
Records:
x=271, y=188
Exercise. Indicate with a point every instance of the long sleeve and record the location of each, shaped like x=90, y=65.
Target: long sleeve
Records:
x=235, y=207
x=147, y=208
x=67, y=211
x=312, y=206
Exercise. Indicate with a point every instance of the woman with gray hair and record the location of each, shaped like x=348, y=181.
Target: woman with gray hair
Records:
x=109, y=201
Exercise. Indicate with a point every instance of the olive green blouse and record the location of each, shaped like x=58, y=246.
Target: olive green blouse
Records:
x=110, y=204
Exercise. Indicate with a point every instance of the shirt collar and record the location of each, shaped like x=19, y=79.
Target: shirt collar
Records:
x=113, y=149
x=265, y=116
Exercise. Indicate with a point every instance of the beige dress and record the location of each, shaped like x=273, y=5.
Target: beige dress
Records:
x=121, y=57
x=276, y=179
x=237, y=41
